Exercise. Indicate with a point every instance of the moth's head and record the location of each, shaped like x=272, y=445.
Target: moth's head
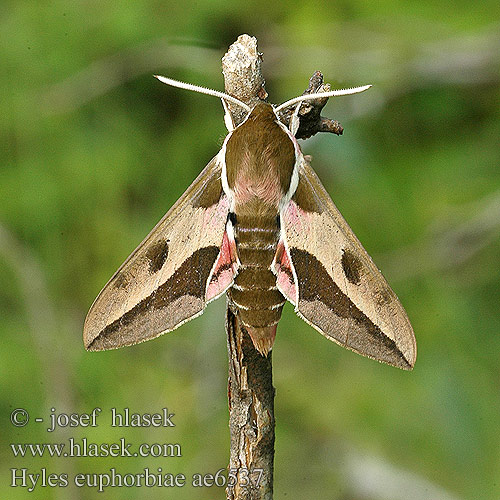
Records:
x=261, y=106
x=262, y=110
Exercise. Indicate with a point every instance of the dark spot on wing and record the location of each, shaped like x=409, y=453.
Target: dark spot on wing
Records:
x=383, y=296
x=352, y=267
x=121, y=281
x=306, y=197
x=157, y=254
x=190, y=279
x=317, y=285
x=209, y=194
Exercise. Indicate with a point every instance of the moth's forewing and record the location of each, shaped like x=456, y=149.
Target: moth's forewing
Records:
x=341, y=292
x=164, y=281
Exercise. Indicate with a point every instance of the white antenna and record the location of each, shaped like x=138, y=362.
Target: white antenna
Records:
x=203, y=90
x=331, y=93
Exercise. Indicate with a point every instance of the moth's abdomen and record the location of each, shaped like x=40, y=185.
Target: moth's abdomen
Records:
x=254, y=292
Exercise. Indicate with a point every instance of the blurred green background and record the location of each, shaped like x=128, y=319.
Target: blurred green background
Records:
x=95, y=151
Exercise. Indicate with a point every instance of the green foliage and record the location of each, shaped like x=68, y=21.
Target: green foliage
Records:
x=94, y=151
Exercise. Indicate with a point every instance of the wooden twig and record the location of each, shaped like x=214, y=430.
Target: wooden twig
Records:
x=250, y=388
x=311, y=122
x=251, y=420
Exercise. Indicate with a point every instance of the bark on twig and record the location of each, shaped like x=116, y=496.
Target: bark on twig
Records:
x=250, y=388
x=241, y=67
x=311, y=122
x=251, y=420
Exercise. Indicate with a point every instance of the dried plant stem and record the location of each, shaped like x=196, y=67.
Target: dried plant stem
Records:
x=250, y=387
x=251, y=421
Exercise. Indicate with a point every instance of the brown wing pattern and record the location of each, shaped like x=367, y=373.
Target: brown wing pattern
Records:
x=341, y=292
x=163, y=283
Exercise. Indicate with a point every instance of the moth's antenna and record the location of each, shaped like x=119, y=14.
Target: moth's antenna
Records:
x=203, y=90
x=331, y=93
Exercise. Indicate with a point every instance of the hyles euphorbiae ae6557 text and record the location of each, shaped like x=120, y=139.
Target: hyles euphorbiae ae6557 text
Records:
x=258, y=224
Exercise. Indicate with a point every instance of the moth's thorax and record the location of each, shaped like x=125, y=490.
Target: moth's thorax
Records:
x=259, y=158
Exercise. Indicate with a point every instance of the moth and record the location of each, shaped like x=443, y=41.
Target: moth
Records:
x=258, y=224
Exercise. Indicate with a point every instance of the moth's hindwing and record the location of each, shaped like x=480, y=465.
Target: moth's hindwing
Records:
x=333, y=283
x=171, y=275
